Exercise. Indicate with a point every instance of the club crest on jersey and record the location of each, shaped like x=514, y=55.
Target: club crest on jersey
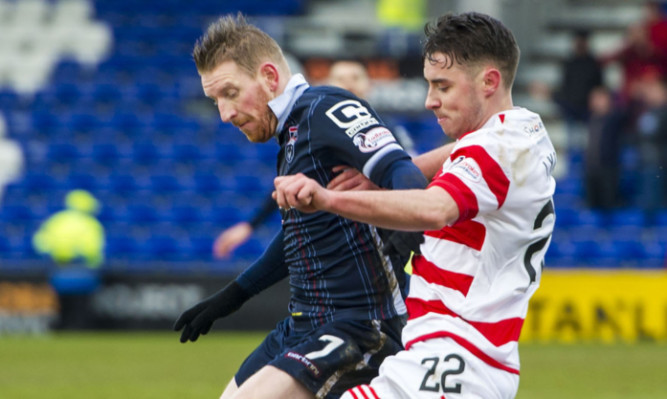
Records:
x=466, y=168
x=351, y=116
x=373, y=139
x=291, y=142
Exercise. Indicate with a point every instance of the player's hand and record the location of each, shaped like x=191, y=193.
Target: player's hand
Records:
x=199, y=318
x=300, y=192
x=349, y=179
x=231, y=238
x=403, y=242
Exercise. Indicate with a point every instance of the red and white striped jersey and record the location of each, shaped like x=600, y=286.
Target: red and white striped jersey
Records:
x=473, y=279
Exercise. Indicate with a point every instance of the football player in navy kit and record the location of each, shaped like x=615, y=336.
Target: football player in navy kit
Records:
x=345, y=304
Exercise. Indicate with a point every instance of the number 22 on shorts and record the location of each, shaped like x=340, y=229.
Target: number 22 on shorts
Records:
x=454, y=365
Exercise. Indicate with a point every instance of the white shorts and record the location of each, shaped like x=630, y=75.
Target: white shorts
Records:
x=437, y=369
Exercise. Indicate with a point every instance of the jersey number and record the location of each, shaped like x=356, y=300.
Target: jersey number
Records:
x=333, y=343
x=547, y=209
x=457, y=369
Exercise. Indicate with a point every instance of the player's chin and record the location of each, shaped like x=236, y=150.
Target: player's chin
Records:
x=257, y=137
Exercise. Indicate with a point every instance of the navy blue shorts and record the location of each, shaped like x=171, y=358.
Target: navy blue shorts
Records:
x=328, y=360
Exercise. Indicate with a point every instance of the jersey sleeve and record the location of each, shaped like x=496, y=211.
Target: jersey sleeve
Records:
x=350, y=131
x=474, y=179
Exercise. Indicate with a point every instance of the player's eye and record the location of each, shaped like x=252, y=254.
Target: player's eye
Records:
x=230, y=94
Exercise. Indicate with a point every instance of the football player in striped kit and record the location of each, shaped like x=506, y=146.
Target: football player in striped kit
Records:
x=487, y=218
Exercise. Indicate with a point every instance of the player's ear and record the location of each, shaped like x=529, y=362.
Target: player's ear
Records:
x=269, y=75
x=491, y=80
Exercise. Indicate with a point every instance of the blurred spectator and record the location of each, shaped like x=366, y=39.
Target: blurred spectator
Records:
x=11, y=159
x=74, y=239
x=581, y=73
x=408, y=15
x=656, y=24
x=638, y=59
x=73, y=234
x=651, y=129
x=603, y=150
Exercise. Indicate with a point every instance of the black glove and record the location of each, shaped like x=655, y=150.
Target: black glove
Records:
x=199, y=318
x=402, y=243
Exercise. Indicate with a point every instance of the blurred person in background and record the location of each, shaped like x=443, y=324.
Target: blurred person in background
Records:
x=11, y=159
x=581, y=73
x=651, y=130
x=350, y=75
x=603, y=147
x=73, y=234
x=638, y=58
x=656, y=25
x=346, y=303
x=74, y=239
x=488, y=216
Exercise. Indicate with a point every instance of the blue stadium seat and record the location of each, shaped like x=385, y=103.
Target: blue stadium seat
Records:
x=62, y=151
x=655, y=254
x=630, y=217
x=661, y=218
x=569, y=186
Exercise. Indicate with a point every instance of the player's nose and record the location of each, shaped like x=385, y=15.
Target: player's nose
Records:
x=227, y=113
x=431, y=101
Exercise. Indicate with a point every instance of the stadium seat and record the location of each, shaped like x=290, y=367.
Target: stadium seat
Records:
x=661, y=218
x=630, y=217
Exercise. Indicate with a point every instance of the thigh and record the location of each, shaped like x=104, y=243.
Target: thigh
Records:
x=339, y=355
x=230, y=389
x=434, y=369
x=271, y=383
x=273, y=345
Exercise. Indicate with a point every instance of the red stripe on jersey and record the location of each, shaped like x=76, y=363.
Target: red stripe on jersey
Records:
x=435, y=275
x=468, y=232
x=466, y=344
x=354, y=395
x=375, y=395
x=463, y=196
x=498, y=333
x=502, y=118
x=491, y=171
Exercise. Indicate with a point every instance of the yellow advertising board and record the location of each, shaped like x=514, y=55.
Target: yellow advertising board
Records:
x=598, y=306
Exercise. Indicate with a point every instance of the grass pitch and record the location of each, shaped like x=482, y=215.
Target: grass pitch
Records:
x=155, y=365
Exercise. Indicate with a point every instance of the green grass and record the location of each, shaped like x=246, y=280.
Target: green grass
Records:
x=155, y=365
x=593, y=371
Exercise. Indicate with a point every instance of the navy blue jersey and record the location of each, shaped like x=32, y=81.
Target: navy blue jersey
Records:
x=336, y=270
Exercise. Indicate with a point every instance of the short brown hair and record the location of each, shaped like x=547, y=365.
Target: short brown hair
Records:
x=232, y=38
x=471, y=38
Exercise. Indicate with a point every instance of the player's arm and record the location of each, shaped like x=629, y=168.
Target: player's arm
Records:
x=407, y=210
x=239, y=233
x=430, y=162
x=263, y=273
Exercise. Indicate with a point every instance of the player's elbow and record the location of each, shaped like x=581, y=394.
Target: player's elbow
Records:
x=438, y=210
x=436, y=221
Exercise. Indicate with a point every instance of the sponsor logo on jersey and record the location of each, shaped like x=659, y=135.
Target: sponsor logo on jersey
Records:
x=467, y=168
x=351, y=116
x=534, y=128
x=303, y=360
x=373, y=139
x=291, y=142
